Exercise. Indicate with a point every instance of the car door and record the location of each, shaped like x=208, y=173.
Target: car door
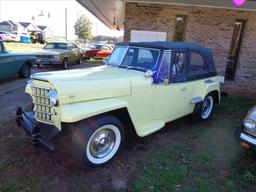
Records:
x=76, y=52
x=172, y=95
x=198, y=75
x=7, y=66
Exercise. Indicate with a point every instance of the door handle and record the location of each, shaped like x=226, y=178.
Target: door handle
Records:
x=183, y=89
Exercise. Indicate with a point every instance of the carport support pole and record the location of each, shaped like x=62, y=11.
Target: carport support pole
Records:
x=66, y=23
x=0, y=11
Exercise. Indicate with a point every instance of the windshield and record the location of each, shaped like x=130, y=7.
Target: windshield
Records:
x=94, y=46
x=134, y=58
x=56, y=46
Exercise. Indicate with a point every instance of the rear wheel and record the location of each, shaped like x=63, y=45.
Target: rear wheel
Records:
x=92, y=56
x=25, y=71
x=79, y=61
x=65, y=63
x=204, y=109
x=97, y=141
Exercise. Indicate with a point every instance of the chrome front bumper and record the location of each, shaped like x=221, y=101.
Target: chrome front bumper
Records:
x=40, y=133
x=47, y=62
x=249, y=139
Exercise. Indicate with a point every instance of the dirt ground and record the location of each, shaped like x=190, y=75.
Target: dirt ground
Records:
x=24, y=167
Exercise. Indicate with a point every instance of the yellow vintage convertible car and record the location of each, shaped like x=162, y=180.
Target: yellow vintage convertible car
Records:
x=58, y=53
x=141, y=87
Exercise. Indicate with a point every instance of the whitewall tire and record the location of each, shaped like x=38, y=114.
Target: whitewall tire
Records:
x=207, y=107
x=204, y=110
x=97, y=141
x=103, y=144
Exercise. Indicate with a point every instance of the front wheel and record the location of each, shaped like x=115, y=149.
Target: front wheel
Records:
x=204, y=110
x=97, y=141
x=65, y=63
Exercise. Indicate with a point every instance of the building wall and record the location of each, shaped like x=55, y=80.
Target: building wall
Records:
x=211, y=27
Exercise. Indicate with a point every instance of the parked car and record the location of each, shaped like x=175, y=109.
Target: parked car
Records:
x=248, y=132
x=141, y=87
x=16, y=36
x=37, y=37
x=97, y=51
x=59, y=53
x=6, y=36
x=12, y=64
x=24, y=38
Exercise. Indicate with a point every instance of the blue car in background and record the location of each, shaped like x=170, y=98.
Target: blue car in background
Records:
x=12, y=64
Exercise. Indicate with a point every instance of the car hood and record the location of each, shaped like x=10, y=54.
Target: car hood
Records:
x=50, y=52
x=92, y=83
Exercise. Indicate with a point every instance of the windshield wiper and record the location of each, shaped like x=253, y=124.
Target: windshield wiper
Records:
x=134, y=67
x=123, y=66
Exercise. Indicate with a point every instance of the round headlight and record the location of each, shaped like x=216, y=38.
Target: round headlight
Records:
x=53, y=97
x=249, y=124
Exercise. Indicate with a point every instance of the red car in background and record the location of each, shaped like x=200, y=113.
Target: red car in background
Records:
x=97, y=51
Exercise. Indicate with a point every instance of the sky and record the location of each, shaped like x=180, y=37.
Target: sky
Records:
x=24, y=10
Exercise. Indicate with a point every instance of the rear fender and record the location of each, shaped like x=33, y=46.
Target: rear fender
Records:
x=209, y=86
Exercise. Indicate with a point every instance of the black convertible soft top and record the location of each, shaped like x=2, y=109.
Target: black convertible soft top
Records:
x=165, y=45
x=171, y=45
x=206, y=53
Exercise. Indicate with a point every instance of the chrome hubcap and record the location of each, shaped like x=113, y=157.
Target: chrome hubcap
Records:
x=206, y=107
x=102, y=143
x=66, y=64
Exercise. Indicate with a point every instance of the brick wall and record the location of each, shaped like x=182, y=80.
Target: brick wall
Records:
x=210, y=27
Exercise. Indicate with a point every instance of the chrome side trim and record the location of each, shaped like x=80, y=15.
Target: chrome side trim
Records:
x=209, y=81
x=196, y=100
x=248, y=138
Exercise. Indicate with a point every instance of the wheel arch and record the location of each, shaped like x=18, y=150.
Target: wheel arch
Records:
x=216, y=96
x=122, y=114
x=29, y=63
x=116, y=107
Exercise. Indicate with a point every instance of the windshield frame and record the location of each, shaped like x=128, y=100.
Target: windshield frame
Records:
x=134, y=68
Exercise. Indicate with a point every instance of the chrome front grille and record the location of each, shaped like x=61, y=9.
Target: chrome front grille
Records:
x=42, y=107
x=44, y=56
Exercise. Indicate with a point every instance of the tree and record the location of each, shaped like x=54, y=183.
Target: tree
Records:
x=83, y=28
x=104, y=38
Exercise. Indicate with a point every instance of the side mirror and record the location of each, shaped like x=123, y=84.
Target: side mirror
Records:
x=149, y=73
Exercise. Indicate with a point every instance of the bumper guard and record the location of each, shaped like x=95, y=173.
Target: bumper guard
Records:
x=40, y=133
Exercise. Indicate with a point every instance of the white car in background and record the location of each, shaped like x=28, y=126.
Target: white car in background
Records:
x=16, y=36
x=6, y=36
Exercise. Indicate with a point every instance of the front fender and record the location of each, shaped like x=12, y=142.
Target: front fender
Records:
x=71, y=113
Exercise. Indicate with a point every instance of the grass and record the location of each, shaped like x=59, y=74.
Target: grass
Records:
x=23, y=47
x=209, y=159
x=25, y=184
